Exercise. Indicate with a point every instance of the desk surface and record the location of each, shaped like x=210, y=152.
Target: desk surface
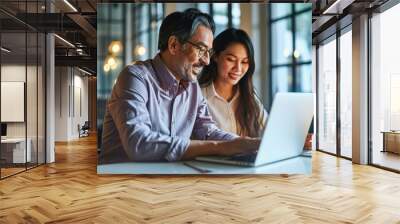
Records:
x=13, y=140
x=390, y=132
x=297, y=165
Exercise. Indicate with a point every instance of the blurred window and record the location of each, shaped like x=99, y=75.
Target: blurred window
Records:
x=290, y=44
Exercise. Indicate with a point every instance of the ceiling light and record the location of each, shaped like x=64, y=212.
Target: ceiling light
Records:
x=106, y=67
x=65, y=41
x=337, y=7
x=114, y=66
x=296, y=54
x=140, y=50
x=111, y=61
x=84, y=71
x=5, y=49
x=70, y=5
x=115, y=47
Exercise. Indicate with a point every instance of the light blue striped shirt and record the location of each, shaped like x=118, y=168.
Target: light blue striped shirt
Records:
x=151, y=116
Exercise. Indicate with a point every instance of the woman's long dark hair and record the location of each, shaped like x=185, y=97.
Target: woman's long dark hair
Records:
x=248, y=114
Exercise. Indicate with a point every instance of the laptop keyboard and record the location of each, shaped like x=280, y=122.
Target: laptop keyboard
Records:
x=245, y=157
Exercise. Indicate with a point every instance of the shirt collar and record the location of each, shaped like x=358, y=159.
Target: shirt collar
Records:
x=167, y=79
x=211, y=92
x=165, y=76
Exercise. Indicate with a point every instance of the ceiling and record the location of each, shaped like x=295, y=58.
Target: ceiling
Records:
x=330, y=15
x=75, y=21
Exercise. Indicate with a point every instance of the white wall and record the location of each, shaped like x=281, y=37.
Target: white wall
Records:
x=14, y=73
x=71, y=94
x=61, y=103
x=33, y=127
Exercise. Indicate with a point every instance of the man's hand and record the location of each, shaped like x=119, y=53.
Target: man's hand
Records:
x=243, y=145
x=308, y=143
x=221, y=148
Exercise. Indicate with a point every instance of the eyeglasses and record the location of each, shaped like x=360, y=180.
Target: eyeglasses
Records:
x=202, y=50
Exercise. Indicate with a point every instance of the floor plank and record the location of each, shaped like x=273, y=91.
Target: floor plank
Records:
x=70, y=191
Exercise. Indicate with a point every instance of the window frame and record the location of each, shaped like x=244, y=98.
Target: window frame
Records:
x=294, y=62
x=334, y=37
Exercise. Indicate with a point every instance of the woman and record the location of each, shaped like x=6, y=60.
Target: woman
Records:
x=228, y=88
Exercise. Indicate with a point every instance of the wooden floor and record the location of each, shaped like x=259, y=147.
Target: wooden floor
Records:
x=5, y=172
x=70, y=191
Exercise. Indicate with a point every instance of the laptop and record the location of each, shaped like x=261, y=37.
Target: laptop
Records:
x=284, y=135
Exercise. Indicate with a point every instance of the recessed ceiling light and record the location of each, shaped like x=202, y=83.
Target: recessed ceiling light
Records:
x=84, y=71
x=140, y=50
x=337, y=7
x=115, y=47
x=70, y=5
x=5, y=49
x=64, y=40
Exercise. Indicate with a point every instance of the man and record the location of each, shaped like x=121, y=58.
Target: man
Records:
x=157, y=112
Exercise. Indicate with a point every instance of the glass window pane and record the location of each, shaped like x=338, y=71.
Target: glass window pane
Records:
x=281, y=42
x=143, y=14
x=236, y=15
x=302, y=6
x=303, y=37
x=327, y=97
x=220, y=8
x=31, y=99
x=204, y=7
x=281, y=79
x=303, y=78
x=117, y=11
x=41, y=99
x=220, y=17
x=385, y=87
x=13, y=83
x=280, y=9
x=346, y=94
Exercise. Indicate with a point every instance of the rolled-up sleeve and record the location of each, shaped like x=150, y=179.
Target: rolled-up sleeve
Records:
x=132, y=119
x=205, y=128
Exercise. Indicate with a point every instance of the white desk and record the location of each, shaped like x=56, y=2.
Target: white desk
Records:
x=16, y=147
x=298, y=165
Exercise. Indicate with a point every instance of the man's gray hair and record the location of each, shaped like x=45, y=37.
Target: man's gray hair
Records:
x=183, y=25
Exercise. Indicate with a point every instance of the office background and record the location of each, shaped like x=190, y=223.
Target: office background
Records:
x=46, y=81
x=354, y=46
x=348, y=35
x=22, y=77
x=358, y=81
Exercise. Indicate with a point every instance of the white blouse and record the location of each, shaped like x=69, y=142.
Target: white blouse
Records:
x=223, y=112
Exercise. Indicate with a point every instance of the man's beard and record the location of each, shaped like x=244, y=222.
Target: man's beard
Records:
x=191, y=74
